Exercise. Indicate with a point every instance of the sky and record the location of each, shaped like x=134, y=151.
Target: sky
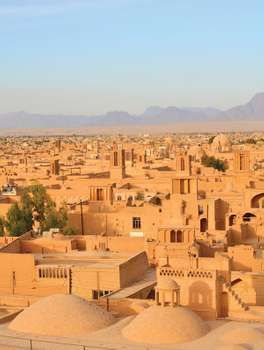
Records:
x=93, y=56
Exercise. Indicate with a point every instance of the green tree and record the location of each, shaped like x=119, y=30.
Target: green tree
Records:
x=55, y=218
x=215, y=163
x=2, y=226
x=40, y=200
x=16, y=223
x=35, y=199
x=27, y=207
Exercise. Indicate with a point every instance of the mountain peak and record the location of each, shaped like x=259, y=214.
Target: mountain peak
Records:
x=154, y=115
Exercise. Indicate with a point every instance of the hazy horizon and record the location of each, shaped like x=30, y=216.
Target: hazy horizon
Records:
x=87, y=57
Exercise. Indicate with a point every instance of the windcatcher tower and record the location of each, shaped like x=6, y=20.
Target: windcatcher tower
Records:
x=117, y=162
x=241, y=161
x=183, y=164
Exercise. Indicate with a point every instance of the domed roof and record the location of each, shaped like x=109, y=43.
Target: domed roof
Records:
x=160, y=325
x=222, y=139
x=167, y=283
x=243, y=335
x=61, y=315
x=221, y=143
x=231, y=347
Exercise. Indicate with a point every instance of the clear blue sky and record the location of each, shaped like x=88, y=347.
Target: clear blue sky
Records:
x=90, y=56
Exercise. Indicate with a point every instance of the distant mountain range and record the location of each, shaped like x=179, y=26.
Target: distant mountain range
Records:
x=155, y=115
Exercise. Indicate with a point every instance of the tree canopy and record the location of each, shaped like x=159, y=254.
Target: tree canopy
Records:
x=213, y=162
x=35, y=205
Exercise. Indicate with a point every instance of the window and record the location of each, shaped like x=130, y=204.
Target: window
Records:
x=136, y=222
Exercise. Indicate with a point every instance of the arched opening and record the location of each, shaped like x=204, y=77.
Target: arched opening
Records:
x=179, y=236
x=247, y=217
x=201, y=296
x=258, y=201
x=232, y=220
x=172, y=236
x=203, y=225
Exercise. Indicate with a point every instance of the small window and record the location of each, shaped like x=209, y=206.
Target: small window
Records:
x=136, y=222
x=95, y=294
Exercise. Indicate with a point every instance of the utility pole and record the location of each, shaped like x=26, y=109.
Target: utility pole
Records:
x=13, y=282
x=82, y=226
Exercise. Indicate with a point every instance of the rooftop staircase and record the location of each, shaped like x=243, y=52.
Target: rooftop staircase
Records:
x=243, y=306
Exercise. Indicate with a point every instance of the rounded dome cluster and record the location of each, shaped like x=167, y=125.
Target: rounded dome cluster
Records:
x=221, y=143
x=161, y=325
x=62, y=315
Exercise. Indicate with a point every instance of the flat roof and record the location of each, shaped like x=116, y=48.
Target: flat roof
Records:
x=91, y=259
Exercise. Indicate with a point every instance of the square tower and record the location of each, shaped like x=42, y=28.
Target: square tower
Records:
x=241, y=161
x=117, y=163
x=183, y=164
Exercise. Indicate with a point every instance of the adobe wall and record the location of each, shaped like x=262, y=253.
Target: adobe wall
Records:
x=242, y=257
x=47, y=245
x=85, y=279
x=133, y=269
x=17, y=272
x=115, y=244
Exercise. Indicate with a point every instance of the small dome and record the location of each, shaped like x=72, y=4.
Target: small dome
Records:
x=167, y=283
x=161, y=325
x=61, y=315
x=221, y=143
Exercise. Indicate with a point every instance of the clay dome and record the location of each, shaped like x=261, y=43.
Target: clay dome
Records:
x=231, y=347
x=221, y=143
x=161, y=325
x=167, y=283
x=243, y=335
x=62, y=315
